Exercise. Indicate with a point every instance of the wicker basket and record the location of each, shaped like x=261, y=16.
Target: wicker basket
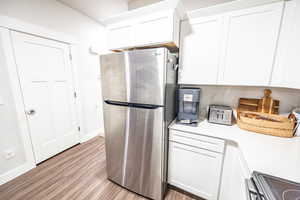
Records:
x=268, y=124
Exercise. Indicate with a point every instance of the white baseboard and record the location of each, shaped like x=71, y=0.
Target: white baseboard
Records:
x=14, y=173
x=102, y=133
x=87, y=137
x=18, y=171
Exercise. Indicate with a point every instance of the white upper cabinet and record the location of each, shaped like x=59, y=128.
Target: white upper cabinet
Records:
x=200, y=50
x=233, y=48
x=252, y=36
x=155, y=29
x=287, y=67
x=120, y=36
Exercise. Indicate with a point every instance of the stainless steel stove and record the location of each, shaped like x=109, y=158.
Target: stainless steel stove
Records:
x=265, y=187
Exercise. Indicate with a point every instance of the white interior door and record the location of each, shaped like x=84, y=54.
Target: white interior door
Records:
x=47, y=84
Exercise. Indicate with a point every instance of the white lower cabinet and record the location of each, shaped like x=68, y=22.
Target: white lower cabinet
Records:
x=195, y=169
x=235, y=172
x=207, y=167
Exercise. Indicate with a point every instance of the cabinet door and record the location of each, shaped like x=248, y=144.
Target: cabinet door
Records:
x=195, y=170
x=200, y=50
x=251, y=42
x=286, y=71
x=154, y=31
x=119, y=37
x=238, y=184
x=235, y=172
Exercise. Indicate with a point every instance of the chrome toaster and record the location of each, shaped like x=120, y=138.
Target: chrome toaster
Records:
x=220, y=114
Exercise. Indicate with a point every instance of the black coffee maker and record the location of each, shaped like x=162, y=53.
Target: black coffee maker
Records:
x=188, y=102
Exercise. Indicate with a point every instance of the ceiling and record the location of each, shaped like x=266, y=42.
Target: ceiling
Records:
x=99, y=9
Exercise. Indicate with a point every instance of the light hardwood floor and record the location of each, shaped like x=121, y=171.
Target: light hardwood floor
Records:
x=76, y=174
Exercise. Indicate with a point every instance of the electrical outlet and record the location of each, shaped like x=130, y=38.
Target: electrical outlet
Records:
x=9, y=154
x=1, y=101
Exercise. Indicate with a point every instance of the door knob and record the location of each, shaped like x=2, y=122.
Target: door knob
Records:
x=30, y=112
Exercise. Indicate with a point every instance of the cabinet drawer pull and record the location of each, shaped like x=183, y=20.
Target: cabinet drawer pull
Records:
x=204, y=154
x=195, y=139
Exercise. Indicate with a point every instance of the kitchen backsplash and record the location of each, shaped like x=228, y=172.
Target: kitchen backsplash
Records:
x=229, y=95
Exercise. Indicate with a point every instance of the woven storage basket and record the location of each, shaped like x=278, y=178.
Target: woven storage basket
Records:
x=268, y=124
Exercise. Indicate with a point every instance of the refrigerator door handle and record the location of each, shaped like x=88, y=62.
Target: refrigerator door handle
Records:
x=133, y=105
x=144, y=106
x=116, y=103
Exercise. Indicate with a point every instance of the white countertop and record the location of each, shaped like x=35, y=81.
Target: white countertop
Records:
x=268, y=154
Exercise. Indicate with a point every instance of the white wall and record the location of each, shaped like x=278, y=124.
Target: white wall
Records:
x=188, y=4
x=58, y=17
x=98, y=9
x=229, y=95
x=53, y=15
x=10, y=139
x=133, y=4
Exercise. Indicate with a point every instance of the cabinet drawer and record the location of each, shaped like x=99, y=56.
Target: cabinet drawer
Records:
x=199, y=141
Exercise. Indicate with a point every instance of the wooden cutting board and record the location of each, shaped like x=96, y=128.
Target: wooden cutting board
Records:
x=264, y=105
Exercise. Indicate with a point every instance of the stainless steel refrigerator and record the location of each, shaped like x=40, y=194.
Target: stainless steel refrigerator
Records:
x=138, y=90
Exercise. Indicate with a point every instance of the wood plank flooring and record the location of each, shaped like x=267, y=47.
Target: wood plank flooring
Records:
x=76, y=174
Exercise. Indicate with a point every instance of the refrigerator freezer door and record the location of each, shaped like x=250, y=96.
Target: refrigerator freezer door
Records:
x=134, y=139
x=147, y=76
x=113, y=77
x=135, y=76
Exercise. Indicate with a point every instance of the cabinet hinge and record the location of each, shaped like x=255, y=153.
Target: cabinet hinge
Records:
x=79, y=128
x=75, y=95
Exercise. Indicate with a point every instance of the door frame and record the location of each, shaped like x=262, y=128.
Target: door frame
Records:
x=7, y=25
x=18, y=40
